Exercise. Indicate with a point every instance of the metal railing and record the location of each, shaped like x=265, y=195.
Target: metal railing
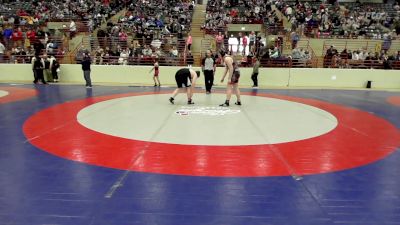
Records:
x=337, y=62
x=367, y=45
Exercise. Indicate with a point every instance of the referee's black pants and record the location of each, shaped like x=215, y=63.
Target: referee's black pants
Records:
x=209, y=79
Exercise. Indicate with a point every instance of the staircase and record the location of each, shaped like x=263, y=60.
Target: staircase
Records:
x=197, y=33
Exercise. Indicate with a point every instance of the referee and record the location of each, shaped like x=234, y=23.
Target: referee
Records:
x=208, y=66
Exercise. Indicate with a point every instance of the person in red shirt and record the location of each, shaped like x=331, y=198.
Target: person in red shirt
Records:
x=31, y=35
x=123, y=37
x=17, y=37
x=21, y=12
x=234, y=13
x=244, y=42
x=156, y=73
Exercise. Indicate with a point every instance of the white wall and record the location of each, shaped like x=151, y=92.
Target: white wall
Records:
x=268, y=77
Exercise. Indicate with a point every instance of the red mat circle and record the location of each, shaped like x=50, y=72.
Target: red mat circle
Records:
x=359, y=139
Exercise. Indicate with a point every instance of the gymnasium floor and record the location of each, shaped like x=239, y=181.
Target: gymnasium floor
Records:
x=125, y=155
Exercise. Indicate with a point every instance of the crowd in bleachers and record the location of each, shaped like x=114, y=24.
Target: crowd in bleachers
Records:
x=21, y=43
x=148, y=30
x=39, y=12
x=168, y=51
x=371, y=20
x=158, y=16
x=353, y=20
x=24, y=32
x=220, y=13
x=360, y=58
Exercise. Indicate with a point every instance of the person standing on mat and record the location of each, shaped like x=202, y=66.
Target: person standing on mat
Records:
x=156, y=69
x=86, y=62
x=38, y=67
x=254, y=75
x=186, y=81
x=208, y=66
x=232, y=70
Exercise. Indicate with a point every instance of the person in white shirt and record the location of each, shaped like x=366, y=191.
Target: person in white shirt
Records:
x=274, y=54
x=147, y=52
x=363, y=54
x=233, y=43
x=38, y=67
x=54, y=68
x=123, y=57
x=252, y=39
x=289, y=11
x=174, y=52
x=156, y=43
x=355, y=56
x=72, y=29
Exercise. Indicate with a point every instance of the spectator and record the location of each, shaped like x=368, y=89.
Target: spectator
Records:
x=244, y=43
x=233, y=44
x=7, y=34
x=219, y=40
x=254, y=76
x=174, y=52
x=294, y=38
x=86, y=62
x=274, y=54
x=156, y=43
x=37, y=67
x=47, y=71
x=17, y=37
x=31, y=36
x=2, y=50
x=189, y=41
x=54, y=67
x=189, y=59
x=147, y=52
x=123, y=57
x=72, y=29
x=123, y=38
x=252, y=39
x=99, y=54
x=296, y=54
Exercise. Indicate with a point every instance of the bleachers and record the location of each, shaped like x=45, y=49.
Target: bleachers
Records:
x=362, y=64
x=219, y=14
x=174, y=16
x=92, y=44
x=372, y=20
x=97, y=47
x=374, y=47
x=367, y=45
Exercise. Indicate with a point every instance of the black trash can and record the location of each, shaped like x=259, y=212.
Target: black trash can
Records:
x=369, y=84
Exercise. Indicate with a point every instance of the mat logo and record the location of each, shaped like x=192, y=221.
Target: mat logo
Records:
x=208, y=111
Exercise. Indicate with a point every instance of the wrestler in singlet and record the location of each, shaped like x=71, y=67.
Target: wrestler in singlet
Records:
x=156, y=69
x=236, y=73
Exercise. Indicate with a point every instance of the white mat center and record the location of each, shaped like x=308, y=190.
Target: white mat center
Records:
x=259, y=120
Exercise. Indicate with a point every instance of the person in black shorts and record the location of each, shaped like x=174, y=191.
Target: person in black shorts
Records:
x=185, y=78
